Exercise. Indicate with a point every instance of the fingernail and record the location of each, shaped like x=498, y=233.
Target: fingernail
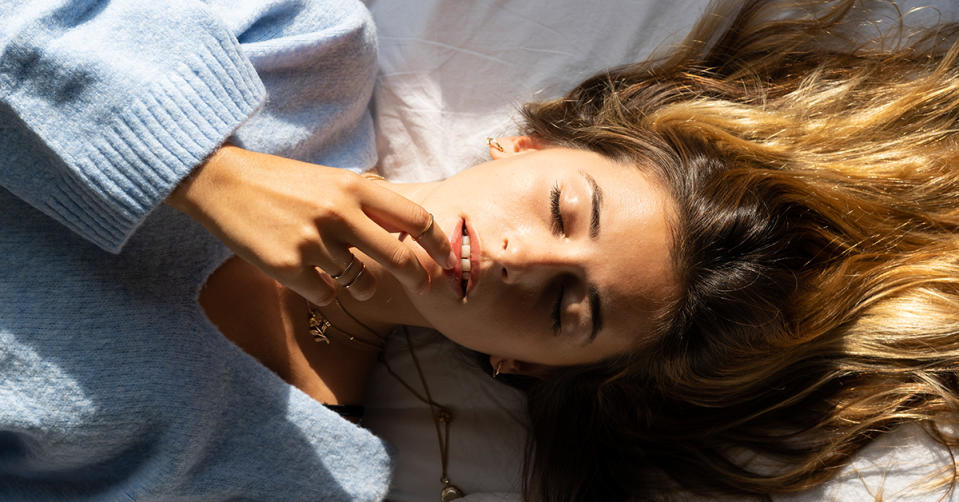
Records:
x=451, y=260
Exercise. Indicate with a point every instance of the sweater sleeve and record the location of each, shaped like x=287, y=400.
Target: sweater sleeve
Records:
x=106, y=105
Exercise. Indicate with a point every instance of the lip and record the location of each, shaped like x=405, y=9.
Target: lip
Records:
x=475, y=254
x=454, y=276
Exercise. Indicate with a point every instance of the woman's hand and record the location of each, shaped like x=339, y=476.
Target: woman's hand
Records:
x=288, y=217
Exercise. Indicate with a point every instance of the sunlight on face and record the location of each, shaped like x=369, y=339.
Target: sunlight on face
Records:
x=569, y=257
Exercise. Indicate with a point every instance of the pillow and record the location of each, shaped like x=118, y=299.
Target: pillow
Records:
x=453, y=73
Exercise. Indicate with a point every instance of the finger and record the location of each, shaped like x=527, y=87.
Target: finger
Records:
x=396, y=213
x=335, y=262
x=352, y=276
x=361, y=285
x=314, y=285
x=396, y=257
x=340, y=273
x=436, y=243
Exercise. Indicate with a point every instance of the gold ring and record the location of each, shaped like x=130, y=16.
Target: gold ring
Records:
x=427, y=229
x=356, y=277
x=494, y=144
x=347, y=269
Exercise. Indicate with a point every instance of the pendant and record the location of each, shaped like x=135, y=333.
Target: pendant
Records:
x=319, y=326
x=451, y=492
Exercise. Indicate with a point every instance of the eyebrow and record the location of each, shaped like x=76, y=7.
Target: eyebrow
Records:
x=597, y=197
x=595, y=303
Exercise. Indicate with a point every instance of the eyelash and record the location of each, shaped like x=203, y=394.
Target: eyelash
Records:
x=554, y=208
x=558, y=228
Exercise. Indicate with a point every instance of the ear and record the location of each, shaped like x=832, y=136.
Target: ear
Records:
x=515, y=367
x=513, y=145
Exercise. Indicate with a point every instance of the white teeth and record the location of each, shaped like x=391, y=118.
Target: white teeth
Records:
x=465, y=256
x=465, y=259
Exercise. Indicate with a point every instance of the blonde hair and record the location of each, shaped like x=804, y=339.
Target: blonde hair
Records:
x=817, y=241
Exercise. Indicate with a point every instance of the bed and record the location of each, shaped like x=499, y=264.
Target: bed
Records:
x=453, y=73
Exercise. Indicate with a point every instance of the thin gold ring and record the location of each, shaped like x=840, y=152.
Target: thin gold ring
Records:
x=495, y=144
x=356, y=277
x=347, y=269
x=427, y=229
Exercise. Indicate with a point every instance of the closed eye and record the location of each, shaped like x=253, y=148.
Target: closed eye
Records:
x=557, y=214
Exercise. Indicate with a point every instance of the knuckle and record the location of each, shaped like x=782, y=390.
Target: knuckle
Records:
x=403, y=258
x=419, y=216
x=349, y=181
x=305, y=233
x=286, y=263
x=330, y=210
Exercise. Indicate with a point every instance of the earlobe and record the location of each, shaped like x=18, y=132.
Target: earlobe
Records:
x=507, y=146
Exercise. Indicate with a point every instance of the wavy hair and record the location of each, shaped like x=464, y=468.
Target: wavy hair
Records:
x=816, y=238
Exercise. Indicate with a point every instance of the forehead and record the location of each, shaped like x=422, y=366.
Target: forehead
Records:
x=633, y=269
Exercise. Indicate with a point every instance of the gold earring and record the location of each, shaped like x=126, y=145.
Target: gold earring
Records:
x=494, y=144
x=498, y=369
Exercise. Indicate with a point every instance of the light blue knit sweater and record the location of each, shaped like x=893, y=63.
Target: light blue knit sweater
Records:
x=113, y=384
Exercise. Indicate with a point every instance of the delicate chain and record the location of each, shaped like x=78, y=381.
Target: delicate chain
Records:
x=319, y=324
x=439, y=412
x=372, y=331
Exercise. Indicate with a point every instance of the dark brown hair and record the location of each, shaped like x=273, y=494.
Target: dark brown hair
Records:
x=816, y=242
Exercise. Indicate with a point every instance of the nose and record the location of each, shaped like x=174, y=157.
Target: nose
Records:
x=523, y=258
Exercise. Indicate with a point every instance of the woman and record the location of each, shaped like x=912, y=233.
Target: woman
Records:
x=513, y=293
x=707, y=345
x=795, y=294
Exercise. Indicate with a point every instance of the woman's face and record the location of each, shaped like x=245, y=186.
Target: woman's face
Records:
x=569, y=256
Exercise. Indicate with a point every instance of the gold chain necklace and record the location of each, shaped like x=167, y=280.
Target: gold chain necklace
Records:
x=319, y=325
x=440, y=413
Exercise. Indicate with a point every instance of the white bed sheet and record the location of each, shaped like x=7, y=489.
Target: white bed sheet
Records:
x=453, y=72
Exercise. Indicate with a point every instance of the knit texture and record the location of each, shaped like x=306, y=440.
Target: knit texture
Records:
x=113, y=384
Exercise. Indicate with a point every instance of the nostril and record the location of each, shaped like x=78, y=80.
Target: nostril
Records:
x=505, y=243
x=505, y=274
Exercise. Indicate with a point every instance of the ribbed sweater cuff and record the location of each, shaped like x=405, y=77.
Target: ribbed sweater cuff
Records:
x=134, y=162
